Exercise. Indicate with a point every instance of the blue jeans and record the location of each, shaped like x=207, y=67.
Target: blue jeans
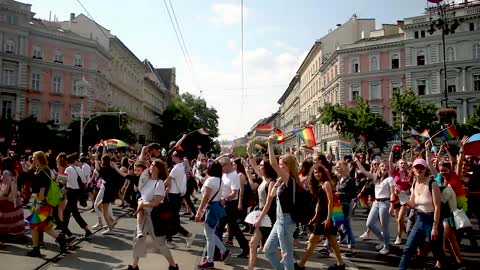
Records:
x=212, y=241
x=380, y=210
x=347, y=208
x=421, y=229
x=281, y=236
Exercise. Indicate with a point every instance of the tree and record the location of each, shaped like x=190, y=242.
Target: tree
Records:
x=472, y=126
x=416, y=115
x=352, y=122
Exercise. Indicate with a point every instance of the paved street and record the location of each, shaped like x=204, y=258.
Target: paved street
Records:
x=114, y=252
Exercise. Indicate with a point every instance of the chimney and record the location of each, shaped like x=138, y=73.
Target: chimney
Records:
x=400, y=23
x=72, y=16
x=339, y=24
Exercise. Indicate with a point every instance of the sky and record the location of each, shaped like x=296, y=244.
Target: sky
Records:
x=277, y=37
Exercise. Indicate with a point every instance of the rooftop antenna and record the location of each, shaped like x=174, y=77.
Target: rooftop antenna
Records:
x=50, y=16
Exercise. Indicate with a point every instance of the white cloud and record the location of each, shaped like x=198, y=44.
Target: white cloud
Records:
x=232, y=44
x=267, y=75
x=227, y=14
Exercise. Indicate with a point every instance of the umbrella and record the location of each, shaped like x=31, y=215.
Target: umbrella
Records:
x=253, y=216
x=113, y=143
x=472, y=147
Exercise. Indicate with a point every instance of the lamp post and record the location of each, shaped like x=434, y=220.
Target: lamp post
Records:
x=447, y=26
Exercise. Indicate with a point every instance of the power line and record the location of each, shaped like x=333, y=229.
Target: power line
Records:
x=91, y=17
x=183, y=47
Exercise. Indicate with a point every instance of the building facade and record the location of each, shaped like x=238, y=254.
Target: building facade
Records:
x=424, y=58
x=289, y=115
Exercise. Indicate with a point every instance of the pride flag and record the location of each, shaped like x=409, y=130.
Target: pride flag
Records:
x=280, y=136
x=263, y=130
x=345, y=142
x=203, y=131
x=449, y=133
x=425, y=134
x=361, y=202
x=307, y=136
x=337, y=212
x=62, y=177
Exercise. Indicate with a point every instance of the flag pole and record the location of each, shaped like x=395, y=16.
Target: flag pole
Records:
x=431, y=142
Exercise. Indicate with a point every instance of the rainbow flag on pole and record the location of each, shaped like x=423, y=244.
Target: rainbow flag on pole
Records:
x=263, y=130
x=280, y=136
x=345, y=142
x=449, y=133
x=425, y=134
x=203, y=131
x=307, y=136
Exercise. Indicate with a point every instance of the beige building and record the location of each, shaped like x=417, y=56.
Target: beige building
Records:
x=289, y=115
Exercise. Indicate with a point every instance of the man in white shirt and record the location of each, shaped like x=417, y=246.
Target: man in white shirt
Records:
x=230, y=193
x=86, y=169
x=74, y=193
x=176, y=184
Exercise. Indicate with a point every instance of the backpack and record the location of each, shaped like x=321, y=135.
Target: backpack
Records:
x=302, y=204
x=54, y=193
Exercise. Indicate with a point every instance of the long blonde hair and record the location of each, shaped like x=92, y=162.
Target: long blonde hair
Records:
x=42, y=159
x=378, y=173
x=291, y=163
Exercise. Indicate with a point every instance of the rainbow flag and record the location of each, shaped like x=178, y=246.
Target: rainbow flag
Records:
x=361, y=202
x=280, y=136
x=307, y=136
x=260, y=146
x=337, y=212
x=345, y=142
x=415, y=133
x=449, y=133
x=62, y=177
x=263, y=130
x=203, y=131
x=425, y=134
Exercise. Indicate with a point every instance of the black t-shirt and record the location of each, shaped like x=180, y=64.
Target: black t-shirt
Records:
x=110, y=177
x=133, y=180
x=42, y=180
x=285, y=195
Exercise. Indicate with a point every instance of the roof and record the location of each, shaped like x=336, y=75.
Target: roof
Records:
x=379, y=38
x=151, y=69
x=166, y=75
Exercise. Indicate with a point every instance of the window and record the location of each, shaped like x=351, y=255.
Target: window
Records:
x=476, y=82
x=451, y=85
x=9, y=77
x=472, y=26
x=77, y=61
x=421, y=87
x=10, y=46
x=375, y=90
x=476, y=51
x=355, y=66
x=76, y=110
x=373, y=63
x=11, y=19
x=420, y=58
x=395, y=61
x=35, y=81
x=77, y=89
x=58, y=58
x=35, y=109
x=422, y=33
x=7, y=109
x=450, y=54
x=416, y=34
x=354, y=92
x=396, y=88
x=36, y=53
x=57, y=84
x=56, y=113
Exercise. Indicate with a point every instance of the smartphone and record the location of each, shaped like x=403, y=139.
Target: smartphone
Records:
x=396, y=148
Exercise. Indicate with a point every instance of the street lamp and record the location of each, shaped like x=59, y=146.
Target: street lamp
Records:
x=447, y=26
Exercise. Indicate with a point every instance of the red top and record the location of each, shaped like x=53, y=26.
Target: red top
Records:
x=402, y=183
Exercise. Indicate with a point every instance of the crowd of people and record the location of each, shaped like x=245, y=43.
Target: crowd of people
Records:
x=422, y=191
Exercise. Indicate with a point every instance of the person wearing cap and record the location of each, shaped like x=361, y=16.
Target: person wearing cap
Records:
x=426, y=199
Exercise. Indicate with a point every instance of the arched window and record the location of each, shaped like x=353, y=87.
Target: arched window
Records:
x=450, y=54
x=36, y=52
x=77, y=60
x=373, y=63
x=476, y=51
x=58, y=57
x=10, y=46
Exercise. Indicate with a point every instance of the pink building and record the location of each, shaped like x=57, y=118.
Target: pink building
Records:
x=374, y=68
x=42, y=68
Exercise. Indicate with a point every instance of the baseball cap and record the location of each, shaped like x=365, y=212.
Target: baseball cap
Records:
x=420, y=161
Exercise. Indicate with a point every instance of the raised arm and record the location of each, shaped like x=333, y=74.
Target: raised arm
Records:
x=252, y=159
x=391, y=165
x=449, y=153
x=461, y=156
x=273, y=161
x=181, y=140
x=143, y=154
x=428, y=155
x=362, y=170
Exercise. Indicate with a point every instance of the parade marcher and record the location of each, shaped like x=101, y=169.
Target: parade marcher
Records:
x=153, y=193
x=11, y=210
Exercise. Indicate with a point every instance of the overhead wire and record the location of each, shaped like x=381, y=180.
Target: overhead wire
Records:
x=183, y=46
x=91, y=17
x=242, y=103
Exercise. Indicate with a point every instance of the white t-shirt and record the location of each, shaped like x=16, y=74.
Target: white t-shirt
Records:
x=179, y=181
x=87, y=170
x=149, y=189
x=214, y=184
x=231, y=181
x=382, y=189
x=72, y=172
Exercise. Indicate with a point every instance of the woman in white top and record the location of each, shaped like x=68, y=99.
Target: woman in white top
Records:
x=426, y=199
x=382, y=207
x=153, y=192
x=214, y=211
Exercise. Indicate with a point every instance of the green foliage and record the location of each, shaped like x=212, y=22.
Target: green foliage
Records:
x=472, y=126
x=351, y=122
x=240, y=151
x=416, y=115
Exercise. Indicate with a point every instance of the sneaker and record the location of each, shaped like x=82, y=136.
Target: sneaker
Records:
x=364, y=236
x=206, y=265
x=384, y=251
x=171, y=244
x=35, y=252
x=398, y=241
x=62, y=243
x=337, y=267
x=107, y=232
x=225, y=256
x=88, y=235
x=132, y=268
x=97, y=226
x=379, y=246
x=173, y=267
x=260, y=250
x=189, y=239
